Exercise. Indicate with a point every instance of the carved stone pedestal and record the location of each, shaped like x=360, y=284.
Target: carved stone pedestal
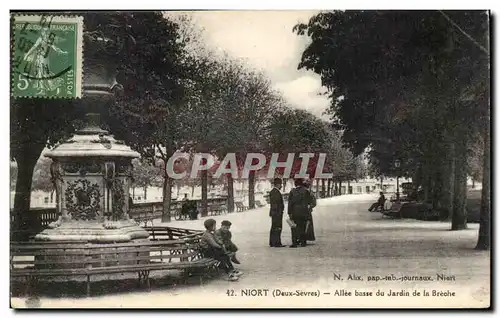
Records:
x=91, y=171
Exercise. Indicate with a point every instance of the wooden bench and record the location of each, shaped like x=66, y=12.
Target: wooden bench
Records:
x=179, y=216
x=145, y=213
x=170, y=233
x=382, y=208
x=394, y=211
x=142, y=214
x=240, y=207
x=259, y=204
x=217, y=209
x=35, y=260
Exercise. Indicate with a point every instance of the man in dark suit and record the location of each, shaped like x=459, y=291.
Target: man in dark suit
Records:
x=300, y=200
x=276, y=214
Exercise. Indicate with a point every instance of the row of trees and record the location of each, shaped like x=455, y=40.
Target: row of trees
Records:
x=411, y=86
x=177, y=96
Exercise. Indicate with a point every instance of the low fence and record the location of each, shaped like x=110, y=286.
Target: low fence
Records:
x=152, y=209
x=158, y=233
x=155, y=209
x=37, y=219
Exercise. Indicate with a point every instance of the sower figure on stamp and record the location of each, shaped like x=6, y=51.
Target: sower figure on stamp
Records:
x=38, y=57
x=276, y=214
x=299, y=201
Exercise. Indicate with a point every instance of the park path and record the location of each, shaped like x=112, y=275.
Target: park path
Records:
x=349, y=241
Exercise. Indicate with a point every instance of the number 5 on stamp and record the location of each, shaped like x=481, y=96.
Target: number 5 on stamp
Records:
x=47, y=56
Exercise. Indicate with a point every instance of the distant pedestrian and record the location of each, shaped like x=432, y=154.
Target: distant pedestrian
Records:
x=276, y=213
x=299, y=201
x=189, y=208
x=380, y=203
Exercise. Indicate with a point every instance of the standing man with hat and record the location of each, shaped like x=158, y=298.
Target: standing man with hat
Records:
x=276, y=214
x=300, y=200
x=309, y=224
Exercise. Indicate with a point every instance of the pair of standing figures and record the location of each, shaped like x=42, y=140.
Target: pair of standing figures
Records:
x=300, y=204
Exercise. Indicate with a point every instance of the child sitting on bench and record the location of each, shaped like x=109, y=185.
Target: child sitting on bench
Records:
x=224, y=236
x=211, y=248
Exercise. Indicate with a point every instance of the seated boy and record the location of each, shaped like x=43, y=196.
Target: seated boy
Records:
x=211, y=248
x=224, y=236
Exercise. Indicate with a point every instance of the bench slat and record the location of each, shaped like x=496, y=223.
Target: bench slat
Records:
x=101, y=260
x=109, y=250
x=112, y=269
x=35, y=246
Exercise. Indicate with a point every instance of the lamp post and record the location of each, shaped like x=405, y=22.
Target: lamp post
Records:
x=397, y=164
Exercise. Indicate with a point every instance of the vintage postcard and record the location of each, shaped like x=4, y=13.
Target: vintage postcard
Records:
x=250, y=159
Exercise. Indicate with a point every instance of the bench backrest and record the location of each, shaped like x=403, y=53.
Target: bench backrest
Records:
x=170, y=233
x=81, y=255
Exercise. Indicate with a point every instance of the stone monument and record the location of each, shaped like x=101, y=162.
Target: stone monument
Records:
x=91, y=170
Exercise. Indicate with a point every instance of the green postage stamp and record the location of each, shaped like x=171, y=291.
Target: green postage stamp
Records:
x=47, y=56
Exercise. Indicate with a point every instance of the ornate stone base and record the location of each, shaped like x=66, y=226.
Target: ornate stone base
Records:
x=101, y=234
x=95, y=232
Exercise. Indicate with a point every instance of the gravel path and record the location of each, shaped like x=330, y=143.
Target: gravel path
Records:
x=349, y=241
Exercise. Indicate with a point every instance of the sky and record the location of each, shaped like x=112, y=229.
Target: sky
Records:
x=266, y=41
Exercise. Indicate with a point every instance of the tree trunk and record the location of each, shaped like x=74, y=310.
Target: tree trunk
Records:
x=340, y=187
x=204, y=193
x=22, y=199
x=484, y=239
x=348, y=187
x=425, y=177
x=459, y=216
x=133, y=193
x=284, y=185
x=145, y=193
x=436, y=185
x=329, y=187
x=52, y=196
x=167, y=197
x=230, y=193
x=251, y=190
x=323, y=188
x=447, y=193
x=192, y=191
